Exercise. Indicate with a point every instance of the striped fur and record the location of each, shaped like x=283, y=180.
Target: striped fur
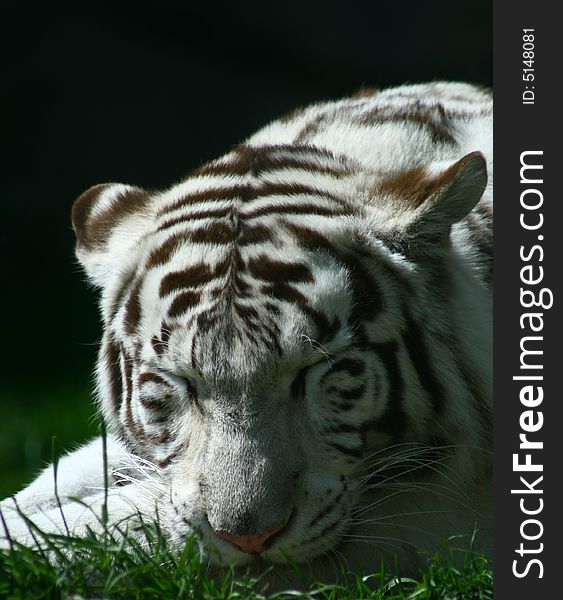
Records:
x=299, y=333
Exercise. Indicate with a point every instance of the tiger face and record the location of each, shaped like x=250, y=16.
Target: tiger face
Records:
x=259, y=348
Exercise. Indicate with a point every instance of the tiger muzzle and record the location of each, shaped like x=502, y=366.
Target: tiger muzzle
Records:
x=248, y=486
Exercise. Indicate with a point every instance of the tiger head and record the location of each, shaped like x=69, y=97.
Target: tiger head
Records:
x=266, y=342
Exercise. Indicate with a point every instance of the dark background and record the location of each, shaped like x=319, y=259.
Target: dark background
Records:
x=520, y=128
x=142, y=96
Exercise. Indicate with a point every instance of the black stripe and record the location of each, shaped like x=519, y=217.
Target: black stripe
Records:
x=194, y=276
x=327, y=510
x=258, y=234
x=111, y=360
x=432, y=118
x=165, y=462
x=247, y=193
x=218, y=194
x=194, y=215
x=165, y=332
x=368, y=300
x=182, y=303
x=155, y=404
x=284, y=292
x=352, y=366
x=94, y=227
x=164, y=252
x=394, y=421
x=311, y=239
x=296, y=209
x=213, y=233
x=290, y=294
x=157, y=439
x=355, y=452
x=122, y=292
x=147, y=377
x=256, y=160
x=343, y=406
x=348, y=428
x=328, y=333
x=133, y=309
x=297, y=388
x=267, y=269
x=312, y=127
x=322, y=534
x=353, y=393
x=419, y=356
x=286, y=189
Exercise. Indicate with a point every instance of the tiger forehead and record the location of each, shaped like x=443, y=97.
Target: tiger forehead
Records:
x=263, y=268
x=204, y=276
x=253, y=287
x=240, y=247
x=231, y=256
x=256, y=305
x=229, y=354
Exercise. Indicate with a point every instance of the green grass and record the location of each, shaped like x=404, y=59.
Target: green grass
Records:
x=111, y=566
x=30, y=415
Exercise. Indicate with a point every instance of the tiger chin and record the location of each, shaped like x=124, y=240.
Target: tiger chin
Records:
x=296, y=352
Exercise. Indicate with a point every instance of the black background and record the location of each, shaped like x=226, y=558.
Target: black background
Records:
x=142, y=96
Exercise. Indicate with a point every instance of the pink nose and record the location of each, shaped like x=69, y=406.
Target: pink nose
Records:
x=252, y=544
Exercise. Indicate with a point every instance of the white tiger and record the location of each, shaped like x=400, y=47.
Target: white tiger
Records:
x=296, y=355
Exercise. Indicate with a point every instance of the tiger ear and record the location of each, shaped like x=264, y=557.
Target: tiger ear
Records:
x=425, y=202
x=109, y=219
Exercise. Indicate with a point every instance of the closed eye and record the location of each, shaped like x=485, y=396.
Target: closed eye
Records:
x=182, y=382
x=190, y=390
x=315, y=351
x=298, y=385
x=185, y=385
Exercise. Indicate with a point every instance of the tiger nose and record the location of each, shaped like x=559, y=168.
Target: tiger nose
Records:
x=252, y=544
